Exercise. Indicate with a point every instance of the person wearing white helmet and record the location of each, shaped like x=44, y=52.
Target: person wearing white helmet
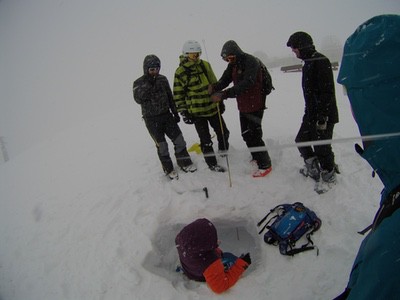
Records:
x=191, y=81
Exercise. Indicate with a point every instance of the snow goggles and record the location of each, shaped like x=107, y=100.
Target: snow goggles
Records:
x=154, y=69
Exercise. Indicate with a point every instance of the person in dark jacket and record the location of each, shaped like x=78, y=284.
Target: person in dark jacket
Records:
x=191, y=97
x=153, y=93
x=244, y=70
x=202, y=260
x=320, y=113
x=370, y=73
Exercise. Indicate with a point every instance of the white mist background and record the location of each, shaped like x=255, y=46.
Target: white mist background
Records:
x=85, y=212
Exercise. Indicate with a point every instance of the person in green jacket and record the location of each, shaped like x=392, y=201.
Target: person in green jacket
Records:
x=192, y=99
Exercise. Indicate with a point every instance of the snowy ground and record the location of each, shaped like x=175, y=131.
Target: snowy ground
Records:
x=88, y=214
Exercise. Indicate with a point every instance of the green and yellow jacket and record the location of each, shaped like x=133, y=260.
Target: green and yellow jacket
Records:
x=191, y=88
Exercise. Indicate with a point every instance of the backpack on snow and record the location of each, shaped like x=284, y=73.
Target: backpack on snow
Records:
x=289, y=223
x=267, y=85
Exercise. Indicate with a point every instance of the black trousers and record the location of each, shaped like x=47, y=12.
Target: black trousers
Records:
x=165, y=125
x=307, y=133
x=206, y=144
x=250, y=124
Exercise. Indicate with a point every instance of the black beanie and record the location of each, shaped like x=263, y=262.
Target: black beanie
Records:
x=300, y=40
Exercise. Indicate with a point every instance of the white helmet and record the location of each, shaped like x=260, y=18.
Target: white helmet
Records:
x=191, y=47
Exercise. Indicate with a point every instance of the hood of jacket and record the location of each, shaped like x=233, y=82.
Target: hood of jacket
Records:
x=369, y=71
x=231, y=48
x=199, y=236
x=151, y=61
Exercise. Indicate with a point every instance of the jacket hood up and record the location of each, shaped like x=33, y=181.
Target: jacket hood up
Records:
x=369, y=71
x=198, y=237
x=151, y=61
x=231, y=48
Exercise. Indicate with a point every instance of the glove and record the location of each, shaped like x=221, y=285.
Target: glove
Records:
x=218, y=96
x=246, y=258
x=221, y=107
x=187, y=118
x=228, y=260
x=177, y=118
x=321, y=123
x=210, y=89
x=151, y=79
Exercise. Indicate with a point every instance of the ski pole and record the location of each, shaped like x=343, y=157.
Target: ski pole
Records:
x=222, y=127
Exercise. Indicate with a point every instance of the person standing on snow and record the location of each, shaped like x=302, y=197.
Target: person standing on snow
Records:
x=202, y=260
x=244, y=70
x=191, y=81
x=370, y=73
x=153, y=93
x=320, y=114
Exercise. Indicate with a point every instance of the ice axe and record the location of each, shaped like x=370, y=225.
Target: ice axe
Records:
x=204, y=189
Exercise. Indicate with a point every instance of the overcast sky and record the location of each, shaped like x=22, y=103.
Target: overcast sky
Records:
x=60, y=59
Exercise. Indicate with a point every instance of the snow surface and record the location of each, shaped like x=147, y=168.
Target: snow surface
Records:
x=86, y=212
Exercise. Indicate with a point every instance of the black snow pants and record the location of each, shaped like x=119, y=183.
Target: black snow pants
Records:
x=165, y=125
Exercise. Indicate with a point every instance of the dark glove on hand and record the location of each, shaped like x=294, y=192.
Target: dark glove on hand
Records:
x=321, y=123
x=187, y=118
x=246, y=258
x=210, y=89
x=151, y=79
x=177, y=118
x=218, y=96
x=221, y=107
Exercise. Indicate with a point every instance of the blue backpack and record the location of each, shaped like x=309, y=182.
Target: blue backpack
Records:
x=289, y=223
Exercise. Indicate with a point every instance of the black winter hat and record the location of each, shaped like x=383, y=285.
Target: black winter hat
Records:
x=300, y=40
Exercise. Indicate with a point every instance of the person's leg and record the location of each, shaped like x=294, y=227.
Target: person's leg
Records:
x=173, y=131
x=326, y=156
x=250, y=124
x=222, y=133
x=201, y=125
x=156, y=130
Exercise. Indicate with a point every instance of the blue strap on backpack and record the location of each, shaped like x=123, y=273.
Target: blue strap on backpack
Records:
x=286, y=224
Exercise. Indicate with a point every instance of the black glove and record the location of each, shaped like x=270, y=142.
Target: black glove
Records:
x=187, y=118
x=321, y=123
x=177, y=118
x=221, y=107
x=219, y=96
x=246, y=258
x=151, y=79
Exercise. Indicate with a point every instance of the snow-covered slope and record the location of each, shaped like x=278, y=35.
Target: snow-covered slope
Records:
x=88, y=214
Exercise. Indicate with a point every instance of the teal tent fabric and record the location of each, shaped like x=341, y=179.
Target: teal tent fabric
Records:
x=370, y=71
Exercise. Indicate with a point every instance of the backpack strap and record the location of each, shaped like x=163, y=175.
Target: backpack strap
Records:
x=266, y=216
x=304, y=247
x=388, y=207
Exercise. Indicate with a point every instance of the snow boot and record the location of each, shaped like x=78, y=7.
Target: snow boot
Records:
x=328, y=177
x=189, y=169
x=262, y=172
x=216, y=168
x=327, y=181
x=311, y=168
x=173, y=175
